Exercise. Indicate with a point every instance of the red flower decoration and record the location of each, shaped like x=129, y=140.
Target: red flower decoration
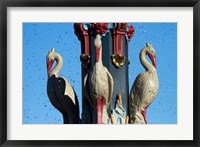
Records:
x=130, y=32
x=99, y=28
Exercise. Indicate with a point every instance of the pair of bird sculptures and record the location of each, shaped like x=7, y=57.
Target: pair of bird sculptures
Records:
x=98, y=88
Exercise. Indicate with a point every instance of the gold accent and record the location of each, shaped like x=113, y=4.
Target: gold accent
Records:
x=112, y=119
x=117, y=60
x=123, y=25
x=85, y=60
x=127, y=119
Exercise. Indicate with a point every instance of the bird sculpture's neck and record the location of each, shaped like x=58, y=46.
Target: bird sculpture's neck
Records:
x=148, y=66
x=58, y=66
x=99, y=55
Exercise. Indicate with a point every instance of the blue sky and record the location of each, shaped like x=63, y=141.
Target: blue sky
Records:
x=39, y=38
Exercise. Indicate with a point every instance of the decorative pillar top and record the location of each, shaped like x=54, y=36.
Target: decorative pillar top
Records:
x=119, y=32
x=82, y=29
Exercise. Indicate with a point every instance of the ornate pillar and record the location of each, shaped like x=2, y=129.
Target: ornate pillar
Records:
x=115, y=38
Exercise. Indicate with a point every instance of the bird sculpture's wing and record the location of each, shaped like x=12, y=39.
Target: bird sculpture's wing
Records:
x=148, y=90
x=70, y=108
x=86, y=92
x=142, y=94
x=88, y=103
x=136, y=96
x=110, y=86
x=138, y=89
x=85, y=86
x=52, y=94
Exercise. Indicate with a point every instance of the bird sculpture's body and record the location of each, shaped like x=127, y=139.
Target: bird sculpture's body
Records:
x=145, y=87
x=100, y=84
x=60, y=92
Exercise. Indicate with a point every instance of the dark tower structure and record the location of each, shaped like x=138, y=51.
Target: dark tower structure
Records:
x=115, y=38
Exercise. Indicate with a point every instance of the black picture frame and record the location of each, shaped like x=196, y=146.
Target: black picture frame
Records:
x=98, y=3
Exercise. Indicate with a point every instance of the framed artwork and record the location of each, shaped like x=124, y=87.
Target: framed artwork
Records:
x=125, y=73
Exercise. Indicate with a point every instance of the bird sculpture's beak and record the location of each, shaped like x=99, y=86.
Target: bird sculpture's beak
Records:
x=49, y=66
x=153, y=59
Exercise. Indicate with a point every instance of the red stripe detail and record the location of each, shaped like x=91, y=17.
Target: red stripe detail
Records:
x=118, y=38
x=97, y=52
x=100, y=104
x=144, y=114
x=83, y=37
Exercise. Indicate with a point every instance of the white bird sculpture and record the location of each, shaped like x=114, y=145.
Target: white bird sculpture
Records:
x=59, y=90
x=100, y=84
x=145, y=87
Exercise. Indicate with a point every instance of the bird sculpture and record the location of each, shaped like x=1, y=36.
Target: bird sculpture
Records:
x=60, y=92
x=145, y=87
x=100, y=84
